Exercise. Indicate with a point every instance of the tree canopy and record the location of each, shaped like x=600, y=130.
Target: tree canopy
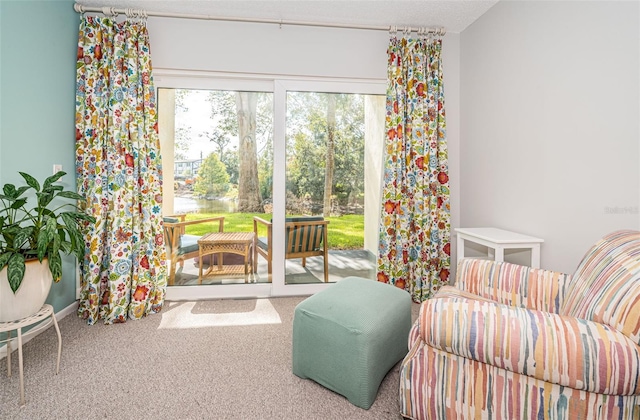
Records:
x=212, y=179
x=324, y=148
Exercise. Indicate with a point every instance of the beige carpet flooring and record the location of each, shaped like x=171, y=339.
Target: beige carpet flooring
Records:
x=221, y=359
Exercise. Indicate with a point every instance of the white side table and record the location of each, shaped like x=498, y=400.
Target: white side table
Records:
x=17, y=325
x=497, y=240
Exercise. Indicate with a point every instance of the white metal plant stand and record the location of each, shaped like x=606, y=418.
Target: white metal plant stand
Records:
x=17, y=325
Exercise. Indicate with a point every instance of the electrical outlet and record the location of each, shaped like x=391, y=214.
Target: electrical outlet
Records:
x=57, y=168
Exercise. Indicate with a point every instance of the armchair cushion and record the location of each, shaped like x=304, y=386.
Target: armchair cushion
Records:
x=512, y=284
x=262, y=242
x=188, y=244
x=561, y=350
x=453, y=292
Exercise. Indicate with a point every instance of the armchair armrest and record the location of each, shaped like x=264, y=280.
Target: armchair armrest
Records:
x=512, y=284
x=259, y=223
x=219, y=219
x=567, y=351
x=183, y=222
x=175, y=230
x=260, y=220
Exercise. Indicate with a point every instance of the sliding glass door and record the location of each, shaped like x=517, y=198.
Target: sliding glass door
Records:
x=332, y=140
x=275, y=184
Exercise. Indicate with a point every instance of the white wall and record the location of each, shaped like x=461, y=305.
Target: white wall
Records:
x=549, y=132
x=251, y=48
x=267, y=48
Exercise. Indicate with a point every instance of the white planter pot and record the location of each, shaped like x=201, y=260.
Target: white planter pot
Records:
x=31, y=294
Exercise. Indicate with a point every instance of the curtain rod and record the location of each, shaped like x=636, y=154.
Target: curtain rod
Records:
x=138, y=13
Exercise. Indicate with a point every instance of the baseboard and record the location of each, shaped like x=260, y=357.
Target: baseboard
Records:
x=27, y=336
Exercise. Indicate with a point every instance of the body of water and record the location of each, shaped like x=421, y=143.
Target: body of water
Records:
x=193, y=205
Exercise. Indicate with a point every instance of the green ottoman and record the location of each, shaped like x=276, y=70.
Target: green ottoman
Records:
x=348, y=336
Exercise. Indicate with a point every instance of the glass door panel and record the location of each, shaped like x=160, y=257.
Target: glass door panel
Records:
x=217, y=153
x=333, y=172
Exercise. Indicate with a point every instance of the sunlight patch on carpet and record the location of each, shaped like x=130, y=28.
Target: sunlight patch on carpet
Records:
x=181, y=315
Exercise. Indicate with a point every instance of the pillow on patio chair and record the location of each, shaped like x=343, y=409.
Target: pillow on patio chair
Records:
x=181, y=246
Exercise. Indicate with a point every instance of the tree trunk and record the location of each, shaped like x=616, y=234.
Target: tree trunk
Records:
x=330, y=165
x=249, y=199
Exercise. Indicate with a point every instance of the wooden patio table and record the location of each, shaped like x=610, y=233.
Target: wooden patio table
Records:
x=240, y=243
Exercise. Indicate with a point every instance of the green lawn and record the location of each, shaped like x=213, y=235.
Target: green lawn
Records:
x=345, y=232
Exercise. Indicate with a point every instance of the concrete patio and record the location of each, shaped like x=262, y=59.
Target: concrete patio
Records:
x=342, y=263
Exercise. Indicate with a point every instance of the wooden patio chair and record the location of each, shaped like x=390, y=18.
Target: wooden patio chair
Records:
x=181, y=246
x=305, y=237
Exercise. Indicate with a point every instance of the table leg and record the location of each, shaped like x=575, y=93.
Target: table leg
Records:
x=255, y=254
x=254, y=257
x=9, y=350
x=499, y=254
x=200, y=267
x=252, y=254
x=460, y=248
x=247, y=249
x=55, y=324
x=535, y=256
x=20, y=368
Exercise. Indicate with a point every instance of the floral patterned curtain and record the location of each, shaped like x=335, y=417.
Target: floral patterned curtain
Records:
x=118, y=168
x=415, y=223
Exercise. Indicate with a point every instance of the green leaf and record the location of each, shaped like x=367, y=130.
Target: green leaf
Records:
x=15, y=271
x=57, y=239
x=77, y=243
x=66, y=247
x=70, y=194
x=80, y=246
x=9, y=191
x=47, y=212
x=51, y=225
x=85, y=217
x=18, y=203
x=22, y=236
x=53, y=178
x=4, y=259
x=21, y=190
x=42, y=244
x=44, y=198
x=68, y=219
x=55, y=265
x=31, y=181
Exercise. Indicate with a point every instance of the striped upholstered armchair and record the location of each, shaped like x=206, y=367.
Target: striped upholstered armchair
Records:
x=509, y=341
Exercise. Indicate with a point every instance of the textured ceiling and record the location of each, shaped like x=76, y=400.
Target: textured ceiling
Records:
x=453, y=15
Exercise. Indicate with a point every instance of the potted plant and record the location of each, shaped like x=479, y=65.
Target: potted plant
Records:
x=35, y=230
